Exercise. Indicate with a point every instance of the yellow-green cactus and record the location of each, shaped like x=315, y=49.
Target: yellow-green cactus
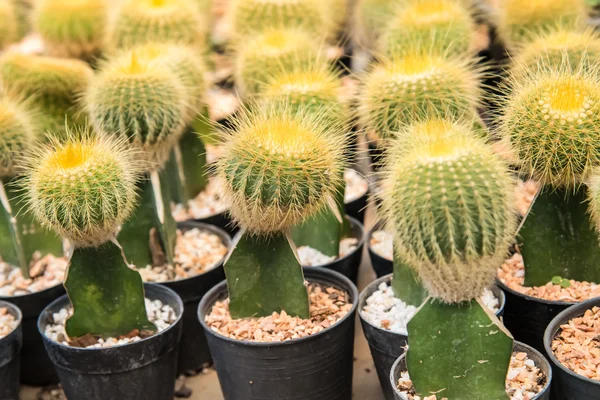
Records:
x=18, y=133
x=370, y=19
x=9, y=27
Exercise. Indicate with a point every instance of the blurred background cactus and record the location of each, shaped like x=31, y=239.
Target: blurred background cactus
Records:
x=9, y=29
x=278, y=168
x=72, y=28
x=83, y=187
x=369, y=20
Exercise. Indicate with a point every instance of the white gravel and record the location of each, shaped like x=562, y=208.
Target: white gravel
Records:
x=382, y=244
x=162, y=315
x=384, y=310
x=310, y=257
x=208, y=202
x=356, y=185
x=47, y=272
x=8, y=322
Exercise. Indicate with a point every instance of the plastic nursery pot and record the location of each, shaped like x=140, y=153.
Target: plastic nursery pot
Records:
x=537, y=357
x=357, y=207
x=567, y=384
x=381, y=265
x=142, y=370
x=317, y=367
x=349, y=264
x=36, y=367
x=386, y=346
x=10, y=347
x=526, y=317
x=220, y=220
x=194, y=353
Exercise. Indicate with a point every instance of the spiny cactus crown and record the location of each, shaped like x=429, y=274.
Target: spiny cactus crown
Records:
x=444, y=26
x=186, y=64
x=137, y=22
x=82, y=187
x=71, y=28
x=448, y=199
x=416, y=86
x=259, y=57
x=144, y=102
x=518, y=20
x=279, y=168
x=551, y=119
x=593, y=185
x=9, y=28
x=252, y=16
x=17, y=135
x=316, y=88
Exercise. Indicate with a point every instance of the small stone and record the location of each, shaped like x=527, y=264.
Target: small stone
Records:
x=310, y=257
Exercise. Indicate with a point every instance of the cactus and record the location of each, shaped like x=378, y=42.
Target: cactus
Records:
x=370, y=19
x=249, y=17
x=273, y=50
x=71, y=28
x=550, y=125
x=443, y=26
x=83, y=186
x=415, y=86
x=9, y=28
x=278, y=168
x=517, y=21
x=449, y=201
x=51, y=84
x=137, y=22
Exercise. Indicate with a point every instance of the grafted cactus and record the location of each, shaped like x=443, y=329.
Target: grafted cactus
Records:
x=71, y=28
x=137, y=22
x=51, y=84
x=260, y=56
x=449, y=201
x=9, y=27
x=416, y=86
x=83, y=186
x=442, y=26
x=278, y=168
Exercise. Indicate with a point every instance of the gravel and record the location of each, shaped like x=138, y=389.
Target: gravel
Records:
x=310, y=257
x=162, y=315
x=46, y=272
x=356, y=185
x=8, y=322
x=196, y=251
x=208, y=202
x=384, y=310
x=382, y=244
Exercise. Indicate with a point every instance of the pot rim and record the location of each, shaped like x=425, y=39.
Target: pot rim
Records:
x=15, y=311
x=545, y=388
x=170, y=291
x=221, y=287
x=22, y=296
x=554, y=326
x=505, y=287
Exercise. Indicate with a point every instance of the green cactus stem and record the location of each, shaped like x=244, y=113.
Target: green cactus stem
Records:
x=458, y=351
x=406, y=284
x=263, y=276
x=11, y=242
x=106, y=294
x=322, y=231
x=558, y=238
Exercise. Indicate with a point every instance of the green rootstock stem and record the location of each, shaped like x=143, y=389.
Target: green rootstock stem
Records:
x=264, y=276
x=407, y=286
x=175, y=178
x=458, y=351
x=153, y=211
x=107, y=296
x=11, y=242
x=191, y=159
x=557, y=238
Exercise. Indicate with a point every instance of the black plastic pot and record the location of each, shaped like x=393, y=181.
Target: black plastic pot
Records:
x=10, y=347
x=318, y=367
x=400, y=366
x=194, y=352
x=220, y=220
x=36, y=367
x=527, y=317
x=143, y=370
x=348, y=265
x=387, y=346
x=357, y=207
x=567, y=384
x=381, y=265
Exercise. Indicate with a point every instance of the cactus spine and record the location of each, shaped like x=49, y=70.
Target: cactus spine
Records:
x=83, y=186
x=9, y=28
x=71, y=28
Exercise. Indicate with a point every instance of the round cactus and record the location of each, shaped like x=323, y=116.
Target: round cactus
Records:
x=137, y=22
x=278, y=168
x=9, y=27
x=143, y=102
x=71, y=28
x=370, y=19
x=258, y=58
x=316, y=88
x=550, y=122
x=552, y=49
x=82, y=187
x=449, y=201
x=518, y=21
x=18, y=132
x=442, y=26
x=253, y=16
x=417, y=86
